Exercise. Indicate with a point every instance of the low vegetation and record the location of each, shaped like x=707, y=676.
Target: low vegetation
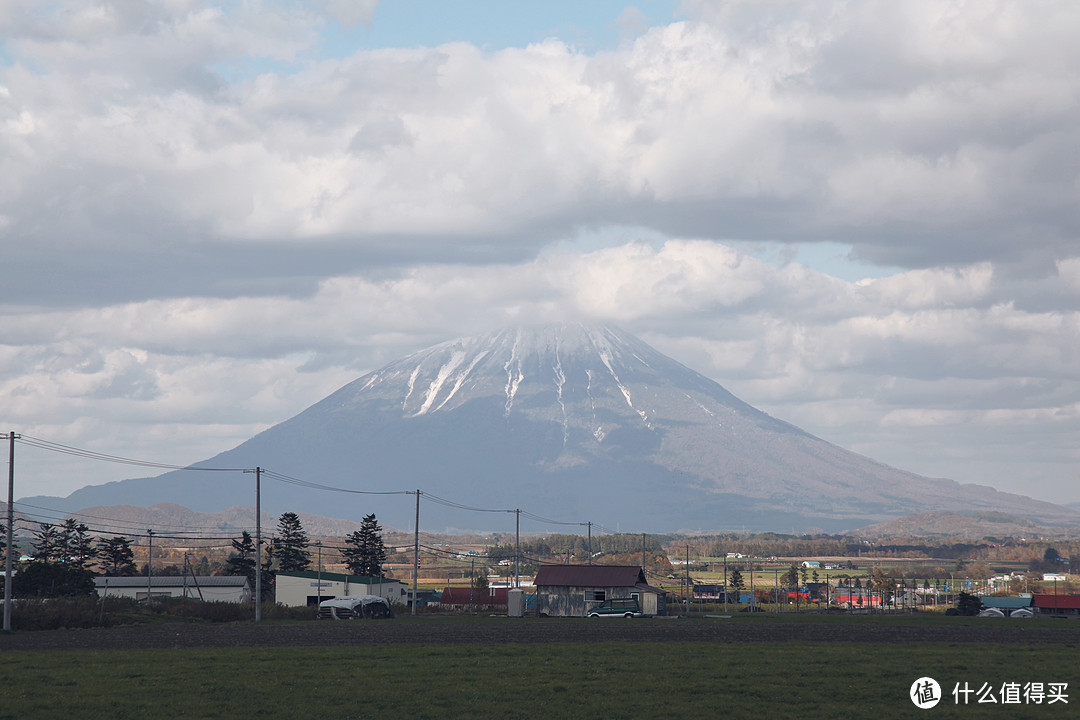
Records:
x=86, y=612
x=560, y=680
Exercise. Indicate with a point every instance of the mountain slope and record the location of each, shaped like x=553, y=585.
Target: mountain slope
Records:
x=570, y=422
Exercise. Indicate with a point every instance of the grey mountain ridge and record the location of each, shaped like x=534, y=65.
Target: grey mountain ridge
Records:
x=572, y=423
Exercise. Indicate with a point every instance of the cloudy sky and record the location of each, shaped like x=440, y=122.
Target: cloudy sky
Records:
x=860, y=217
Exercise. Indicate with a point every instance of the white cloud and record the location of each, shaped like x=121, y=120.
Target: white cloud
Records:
x=208, y=224
x=867, y=368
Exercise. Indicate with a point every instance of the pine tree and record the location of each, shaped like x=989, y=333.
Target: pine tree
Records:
x=116, y=557
x=76, y=547
x=736, y=581
x=243, y=562
x=291, y=547
x=365, y=552
x=46, y=543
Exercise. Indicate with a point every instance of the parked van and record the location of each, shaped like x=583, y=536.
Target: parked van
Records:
x=617, y=607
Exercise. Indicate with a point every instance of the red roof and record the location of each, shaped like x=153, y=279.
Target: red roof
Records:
x=1062, y=602
x=591, y=576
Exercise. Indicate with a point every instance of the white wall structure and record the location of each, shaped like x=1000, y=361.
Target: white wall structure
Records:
x=299, y=589
x=209, y=588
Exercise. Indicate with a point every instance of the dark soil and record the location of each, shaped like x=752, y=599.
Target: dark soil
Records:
x=456, y=630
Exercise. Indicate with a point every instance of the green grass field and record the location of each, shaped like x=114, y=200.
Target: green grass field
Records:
x=601, y=680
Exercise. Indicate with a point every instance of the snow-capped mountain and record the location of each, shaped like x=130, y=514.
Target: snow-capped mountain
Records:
x=572, y=423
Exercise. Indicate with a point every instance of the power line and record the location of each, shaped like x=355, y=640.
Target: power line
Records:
x=281, y=477
x=93, y=455
x=450, y=503
x=330, y=488
x=53, y=513
x=538, y=518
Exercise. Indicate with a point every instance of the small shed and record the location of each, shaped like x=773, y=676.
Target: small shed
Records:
x=218, y=588
x=308, y=587
x=573, y=590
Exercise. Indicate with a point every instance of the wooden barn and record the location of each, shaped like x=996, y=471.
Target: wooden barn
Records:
x=573, y=590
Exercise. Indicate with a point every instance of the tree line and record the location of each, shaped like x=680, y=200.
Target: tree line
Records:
x=67, y=556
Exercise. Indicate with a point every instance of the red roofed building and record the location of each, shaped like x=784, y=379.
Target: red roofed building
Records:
x=573, y=590
x=1057, y=605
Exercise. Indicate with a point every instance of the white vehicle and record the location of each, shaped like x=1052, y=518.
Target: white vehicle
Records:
x=355, y=607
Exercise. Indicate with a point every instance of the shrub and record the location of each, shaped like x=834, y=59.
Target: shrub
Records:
x=58, y=613
x=51, y=580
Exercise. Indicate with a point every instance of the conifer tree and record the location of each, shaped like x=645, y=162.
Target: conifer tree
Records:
x=76, y=547
x=115, y=556
x=365, y=552
x=46, y=543
x=291, y=547
x=242, y=563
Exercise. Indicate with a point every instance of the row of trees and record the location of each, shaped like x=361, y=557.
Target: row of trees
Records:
x=67, y=556
x=71, y=544
x=289, y=550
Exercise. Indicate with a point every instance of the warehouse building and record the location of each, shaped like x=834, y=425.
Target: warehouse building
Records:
x=307, y=587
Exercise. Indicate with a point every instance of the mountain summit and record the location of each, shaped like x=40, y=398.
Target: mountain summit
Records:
x=570, y=422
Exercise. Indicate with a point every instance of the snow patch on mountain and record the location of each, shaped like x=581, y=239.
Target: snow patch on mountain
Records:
x=412, y=384
x=444, y=372
x=560, y=381
x=513, y=382
x=462, y=377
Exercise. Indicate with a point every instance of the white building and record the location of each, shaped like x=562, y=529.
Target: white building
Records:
x=210, y=588
x=307, y=587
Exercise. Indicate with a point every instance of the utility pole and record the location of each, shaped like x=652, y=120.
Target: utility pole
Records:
x=517, y=547
x=590, y=542
x=149, y=565
x=642, y=552
x=725, y=584
x=10, y=530
x=688, y=579
x=416, y=552
x=258, y=542
x=318, y=582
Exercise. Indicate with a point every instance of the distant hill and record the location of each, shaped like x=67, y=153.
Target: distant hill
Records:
x=971, y=525
x=570, y=423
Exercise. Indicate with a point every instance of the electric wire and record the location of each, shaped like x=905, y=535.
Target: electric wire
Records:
x=105, y=457
x=281, y=477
